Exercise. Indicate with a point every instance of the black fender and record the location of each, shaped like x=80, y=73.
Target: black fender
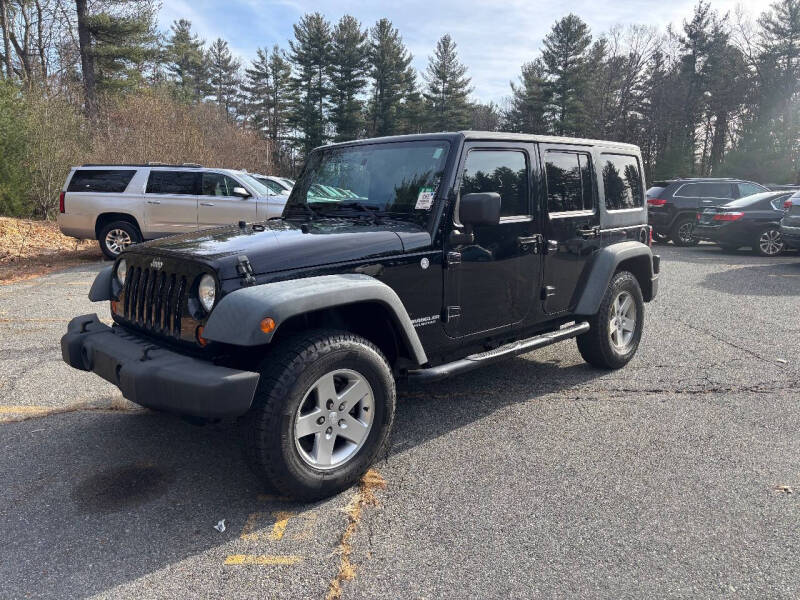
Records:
x=101, y=286
x=236, y=319
x=640, y=262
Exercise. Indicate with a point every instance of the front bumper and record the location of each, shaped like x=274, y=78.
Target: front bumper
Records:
x=791, y=235
x=153, y=376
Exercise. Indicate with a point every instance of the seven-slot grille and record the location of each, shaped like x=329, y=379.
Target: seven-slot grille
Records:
x=154, y=300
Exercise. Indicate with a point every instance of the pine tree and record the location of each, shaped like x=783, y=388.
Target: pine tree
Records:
x=411, y=111
x=347, y=72
x=564, y=57
x=309, y=54
x=187, y=62
x=223, y=72
x=527, y=112
x=447, y=88
x=267, y=88
x=389, y=62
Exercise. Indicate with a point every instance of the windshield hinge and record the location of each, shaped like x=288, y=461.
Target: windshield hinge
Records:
x=245, y=271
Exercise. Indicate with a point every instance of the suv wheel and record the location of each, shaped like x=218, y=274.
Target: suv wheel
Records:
x=770, y=242
x=616, y=328
x=322, y=413
x=114, y=237
x=683, y=232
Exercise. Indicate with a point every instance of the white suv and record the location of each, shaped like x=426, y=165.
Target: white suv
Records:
x=120, y=205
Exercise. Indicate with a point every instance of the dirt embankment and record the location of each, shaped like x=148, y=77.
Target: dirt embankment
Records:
x=33, y=248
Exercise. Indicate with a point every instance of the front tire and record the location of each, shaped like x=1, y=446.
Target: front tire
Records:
x=616, y=328
x=683, y=232
x=116, y=236
x=322, y=413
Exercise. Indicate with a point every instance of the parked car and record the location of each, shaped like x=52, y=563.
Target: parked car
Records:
x=450, y=260
x=790, y=224
x=278, y=185
x=120, y=205
x=673, y=204
x=752, y=221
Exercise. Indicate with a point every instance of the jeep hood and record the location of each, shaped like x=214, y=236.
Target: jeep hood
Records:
x=284, y=245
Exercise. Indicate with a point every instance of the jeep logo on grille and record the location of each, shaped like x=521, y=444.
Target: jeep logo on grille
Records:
x=156, y=264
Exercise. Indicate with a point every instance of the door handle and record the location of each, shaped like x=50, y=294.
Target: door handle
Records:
x=154, y=201
x=529, y=241
x=206, y=204
x=589, y=232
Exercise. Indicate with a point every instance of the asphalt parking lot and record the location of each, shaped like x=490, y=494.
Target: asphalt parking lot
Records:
x=538, y=477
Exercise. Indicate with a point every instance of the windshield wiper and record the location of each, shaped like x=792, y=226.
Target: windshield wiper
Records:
x=355, y=209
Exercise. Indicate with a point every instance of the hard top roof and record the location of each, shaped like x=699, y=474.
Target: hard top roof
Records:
x=456, y=136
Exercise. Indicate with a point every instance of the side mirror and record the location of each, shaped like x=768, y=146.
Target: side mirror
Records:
x=241, y=192
x=479, y=208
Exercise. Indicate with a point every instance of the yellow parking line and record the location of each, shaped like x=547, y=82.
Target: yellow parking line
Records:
x=262, y=559
x=281, y=520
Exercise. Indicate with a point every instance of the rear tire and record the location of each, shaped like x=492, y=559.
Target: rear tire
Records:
x=683, y=232
x=307, y=443
x=616, y=328
x=115, y=236
x=769, y=242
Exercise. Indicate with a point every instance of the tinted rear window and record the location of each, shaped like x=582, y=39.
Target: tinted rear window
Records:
x=654, y=191
x=100, y=180
x=704, y=190
x=171, y=182
x=570, y=185
x=751, y=200
x=622, y=181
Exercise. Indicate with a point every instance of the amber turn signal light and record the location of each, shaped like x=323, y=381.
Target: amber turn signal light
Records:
x=114, y=305
x=200, y=339
x=267, y=325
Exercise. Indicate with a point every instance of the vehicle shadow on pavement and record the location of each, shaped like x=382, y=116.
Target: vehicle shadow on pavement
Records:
x=778, y=279
x=432, y=410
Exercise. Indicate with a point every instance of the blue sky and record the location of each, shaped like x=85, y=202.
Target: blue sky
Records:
x=494, y=37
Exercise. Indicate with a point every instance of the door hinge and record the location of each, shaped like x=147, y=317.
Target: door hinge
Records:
x=452, y=313
x=548, y=291
x=453, y=258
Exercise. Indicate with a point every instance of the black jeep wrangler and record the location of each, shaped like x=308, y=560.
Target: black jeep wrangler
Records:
x=404, y=258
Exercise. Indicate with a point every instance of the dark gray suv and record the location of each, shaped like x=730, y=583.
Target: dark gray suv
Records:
x=673, y=204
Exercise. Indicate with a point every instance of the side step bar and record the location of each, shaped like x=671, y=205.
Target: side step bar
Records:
x=473, y=361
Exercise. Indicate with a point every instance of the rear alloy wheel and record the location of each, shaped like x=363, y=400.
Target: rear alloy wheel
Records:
x=117, y=236
x=616, y=328
x=770, y=242
x=683, y=232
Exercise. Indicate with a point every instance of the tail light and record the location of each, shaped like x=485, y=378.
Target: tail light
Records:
x=656, y=202
x=787, y=204
x=650, y=237
x=61, y=208
x=729, y=216
x=699, y=215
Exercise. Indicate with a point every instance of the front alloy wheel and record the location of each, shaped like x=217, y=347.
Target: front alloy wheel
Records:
x=321, y=414
x=334, y=419
x=770, y=243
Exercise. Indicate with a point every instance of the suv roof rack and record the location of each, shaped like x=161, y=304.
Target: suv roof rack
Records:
x=148, y=164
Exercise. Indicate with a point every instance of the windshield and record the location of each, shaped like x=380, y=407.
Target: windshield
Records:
x=254, y=183
x=399, y=178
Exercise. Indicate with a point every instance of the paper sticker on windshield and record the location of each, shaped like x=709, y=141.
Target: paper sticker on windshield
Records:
x=437, y=153
x=425, y=199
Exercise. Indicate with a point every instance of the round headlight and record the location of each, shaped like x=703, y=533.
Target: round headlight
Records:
x=122, y=269
x=207, y=292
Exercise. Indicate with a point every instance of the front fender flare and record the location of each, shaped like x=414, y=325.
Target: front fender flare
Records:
x=101, y=286
x=236, y=319
x=603, y=268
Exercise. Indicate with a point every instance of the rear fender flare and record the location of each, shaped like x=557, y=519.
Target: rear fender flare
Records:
x=603, y=268
x=236, y=319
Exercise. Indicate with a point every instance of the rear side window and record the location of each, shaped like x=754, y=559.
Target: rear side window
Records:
x=171, y=182
x=101, y=180
x=704, y=190
x=570, y=185
x=748, y=189
x=622, y=182
x=501, y=171
x=655, y=192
